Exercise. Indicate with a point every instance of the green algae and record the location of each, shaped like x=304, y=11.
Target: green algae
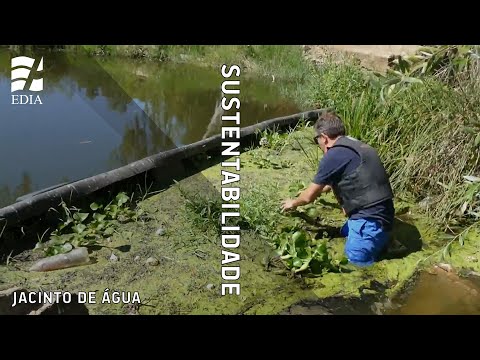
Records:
x=187, y=279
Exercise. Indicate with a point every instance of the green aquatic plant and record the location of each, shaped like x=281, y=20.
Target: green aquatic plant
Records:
x=286, y=234
x=79, y=228
x=264, y=161
x=273, y=139
x=301, y=252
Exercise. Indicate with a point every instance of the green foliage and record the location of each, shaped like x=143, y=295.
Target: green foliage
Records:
x=272, y=139
x=468, y=201
x=264, y=161
x=298, y=250
x=302, y=253
x=79, y=228
x=443, y=61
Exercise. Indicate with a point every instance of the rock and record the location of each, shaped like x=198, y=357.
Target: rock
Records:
x=445, y=267
x=113, y=257
x=136, y=258
x=378, y=308
x=210, y=286
x=426, y=202
x=160, y=231
x=152, y=261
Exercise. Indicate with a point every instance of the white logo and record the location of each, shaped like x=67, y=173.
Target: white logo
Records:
x=21, y=67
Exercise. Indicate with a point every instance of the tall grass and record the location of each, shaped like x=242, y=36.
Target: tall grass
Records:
x=426, y=132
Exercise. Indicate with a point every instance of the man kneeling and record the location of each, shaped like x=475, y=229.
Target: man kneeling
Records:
x=355, y=173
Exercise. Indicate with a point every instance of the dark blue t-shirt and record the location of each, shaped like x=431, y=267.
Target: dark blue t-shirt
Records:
x=340, y=161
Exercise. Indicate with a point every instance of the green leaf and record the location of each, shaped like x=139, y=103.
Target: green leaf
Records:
x=108, y=231
x=100, y=226
x=446, y=251
x=302, y=253
x=66, y=248
x=462, y=237
x=312, y=212
x=121, y=198
x=477, y=140
x=79, y=228
x=303, y=267
x=76, y=242
x=80, y=216
x=299, y=238
x=94, y=206
x=469, y=130
x=57, y=240
x=412, y=80
x=99, y=217
x=322, y=249
x=113, y=210
x=297, y=262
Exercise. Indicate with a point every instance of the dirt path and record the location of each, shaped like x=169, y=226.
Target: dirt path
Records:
x=371, y=56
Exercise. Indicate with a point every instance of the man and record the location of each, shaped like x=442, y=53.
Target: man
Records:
x=355, y=173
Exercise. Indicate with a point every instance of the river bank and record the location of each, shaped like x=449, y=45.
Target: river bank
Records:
x=177, y=270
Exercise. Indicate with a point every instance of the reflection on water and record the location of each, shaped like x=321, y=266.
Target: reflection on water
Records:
x=441, y=293
x=99, y=115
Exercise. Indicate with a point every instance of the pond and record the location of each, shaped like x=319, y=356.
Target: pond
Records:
x=437, y=292
x=98, y=114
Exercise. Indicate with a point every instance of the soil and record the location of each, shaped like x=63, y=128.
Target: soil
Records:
x=374, y=57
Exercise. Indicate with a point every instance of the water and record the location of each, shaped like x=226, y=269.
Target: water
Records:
x=441, y=293
x=100, y=114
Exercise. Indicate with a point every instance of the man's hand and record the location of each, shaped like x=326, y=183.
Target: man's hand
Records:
x=288, y=205
x=306, y=197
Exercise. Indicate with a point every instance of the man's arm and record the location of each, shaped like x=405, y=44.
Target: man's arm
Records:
x=306, y=197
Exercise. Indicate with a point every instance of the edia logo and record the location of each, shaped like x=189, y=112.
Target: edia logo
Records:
x=21, y=73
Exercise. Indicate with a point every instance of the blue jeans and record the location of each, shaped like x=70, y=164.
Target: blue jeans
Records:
x=366, y=239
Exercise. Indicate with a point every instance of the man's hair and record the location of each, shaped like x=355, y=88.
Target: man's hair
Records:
x=330, y=124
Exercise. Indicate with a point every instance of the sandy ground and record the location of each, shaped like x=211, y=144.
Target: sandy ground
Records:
x=374, y=57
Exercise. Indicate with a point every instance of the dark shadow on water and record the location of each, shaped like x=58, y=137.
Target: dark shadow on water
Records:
x=406, y=239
